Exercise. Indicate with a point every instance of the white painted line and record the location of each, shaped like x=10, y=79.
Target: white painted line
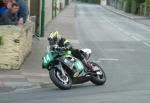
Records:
x=127, y=33
x=18, y=84
x=30, y=88
x=135, y=38
x=108, y=59
x=38, y=80
x=12, y=76
x=147, y=44
x=116, y=26
x=36, y=74
x=139, y=36
x=120, y=29
x=96, y=61
x=120, y=50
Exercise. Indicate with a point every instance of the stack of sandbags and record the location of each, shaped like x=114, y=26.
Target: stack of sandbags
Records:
x=17, y=43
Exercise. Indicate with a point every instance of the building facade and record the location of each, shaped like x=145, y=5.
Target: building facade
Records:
x=45, y=11
x=140, y=7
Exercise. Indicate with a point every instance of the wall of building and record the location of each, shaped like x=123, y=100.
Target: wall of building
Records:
x=52, y=8
x=48, y=11
x=140, y=7
x=103, y=2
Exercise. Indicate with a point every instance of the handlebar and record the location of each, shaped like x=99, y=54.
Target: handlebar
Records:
x=61, y=49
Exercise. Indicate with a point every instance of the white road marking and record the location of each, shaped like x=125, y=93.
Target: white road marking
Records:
x=138, y=36
x=33, y=80
x=115, y=25
x=24, y=75
x=36, y=74
x=96, y=61
x=127, y=33
x=120, y=50
x=108, y=59
x=12, y=76
x=147, y=44
x=18, y=84
x=135, y=38
x=120, y=29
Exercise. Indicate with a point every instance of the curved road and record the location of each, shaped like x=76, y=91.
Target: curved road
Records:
x=120, y=45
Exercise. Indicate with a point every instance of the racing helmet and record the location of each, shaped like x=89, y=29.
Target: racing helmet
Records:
x=53, y=37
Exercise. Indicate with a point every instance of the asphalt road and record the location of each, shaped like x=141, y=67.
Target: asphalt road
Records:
x=120, y=45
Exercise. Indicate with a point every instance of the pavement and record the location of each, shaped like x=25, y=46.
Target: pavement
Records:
x=140, y=19
x=31, y=74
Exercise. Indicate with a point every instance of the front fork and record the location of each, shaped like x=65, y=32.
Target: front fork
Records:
x=60, y=68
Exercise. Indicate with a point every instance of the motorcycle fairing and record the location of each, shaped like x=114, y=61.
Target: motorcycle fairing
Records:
x=47, y=59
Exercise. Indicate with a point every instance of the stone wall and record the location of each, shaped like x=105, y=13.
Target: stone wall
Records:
x=16, y=45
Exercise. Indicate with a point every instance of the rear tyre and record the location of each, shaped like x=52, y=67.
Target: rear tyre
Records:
x=62, y=82
x=98, y=79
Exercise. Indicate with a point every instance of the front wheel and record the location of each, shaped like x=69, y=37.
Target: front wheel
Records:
x=99, y=77
x=61, y=81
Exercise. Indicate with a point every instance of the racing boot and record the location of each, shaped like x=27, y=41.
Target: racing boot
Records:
x=88, y=65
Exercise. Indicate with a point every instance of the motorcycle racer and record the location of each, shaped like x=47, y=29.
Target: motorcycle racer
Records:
x=57, y=42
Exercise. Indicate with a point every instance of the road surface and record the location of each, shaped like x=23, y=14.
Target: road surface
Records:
x=120, y=45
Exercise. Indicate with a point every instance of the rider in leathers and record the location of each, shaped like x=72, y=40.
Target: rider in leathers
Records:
x=57, y=42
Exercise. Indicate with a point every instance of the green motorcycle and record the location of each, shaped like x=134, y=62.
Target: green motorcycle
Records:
x=65, y=70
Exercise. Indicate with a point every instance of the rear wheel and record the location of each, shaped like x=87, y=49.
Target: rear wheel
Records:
x=99, y=77
x=61, y=81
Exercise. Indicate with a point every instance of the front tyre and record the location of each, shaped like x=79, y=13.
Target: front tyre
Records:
x=99, y=77
x=62, y=82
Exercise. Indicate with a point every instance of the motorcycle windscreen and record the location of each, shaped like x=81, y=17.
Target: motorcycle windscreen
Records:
x=66, y=53
x=79, y=66
x=47, y=59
